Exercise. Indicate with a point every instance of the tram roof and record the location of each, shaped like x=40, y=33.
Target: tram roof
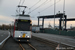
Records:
x=24, y=15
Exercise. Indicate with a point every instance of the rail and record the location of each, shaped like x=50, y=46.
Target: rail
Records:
x=23, y=47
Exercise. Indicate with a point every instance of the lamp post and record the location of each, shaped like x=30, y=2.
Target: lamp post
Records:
x=54, y=12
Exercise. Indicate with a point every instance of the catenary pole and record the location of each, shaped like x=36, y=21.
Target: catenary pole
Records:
x=54, y=12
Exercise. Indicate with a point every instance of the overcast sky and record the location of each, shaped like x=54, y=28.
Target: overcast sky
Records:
x=8, y=8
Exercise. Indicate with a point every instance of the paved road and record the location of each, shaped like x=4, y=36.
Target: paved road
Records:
x=56, y=38
x=3, y=34
x=11, y=45
x=40, y=46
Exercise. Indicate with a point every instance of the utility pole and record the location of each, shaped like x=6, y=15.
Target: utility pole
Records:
x=63, y=13
x=54, y=12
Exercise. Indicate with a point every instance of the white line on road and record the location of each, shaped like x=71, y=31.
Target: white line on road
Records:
x=5, y=39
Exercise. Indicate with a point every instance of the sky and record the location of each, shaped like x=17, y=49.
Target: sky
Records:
x=8, y=9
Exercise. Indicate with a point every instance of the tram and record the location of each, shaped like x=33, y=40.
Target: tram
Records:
x=21, y=28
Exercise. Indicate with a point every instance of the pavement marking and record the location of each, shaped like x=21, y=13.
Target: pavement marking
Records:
x=5, y=39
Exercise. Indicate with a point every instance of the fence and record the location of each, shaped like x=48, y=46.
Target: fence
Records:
x=58, y=32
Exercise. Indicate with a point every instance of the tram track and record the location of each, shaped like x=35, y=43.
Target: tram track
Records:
x=33, y=45
x=40, y=46
x=26, y=46
x=49, y=43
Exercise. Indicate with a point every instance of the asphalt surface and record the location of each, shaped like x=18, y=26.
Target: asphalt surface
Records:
x=26, y=46
x=40, y=46
x=3, y=34
x=56, y=38
x=10, y=44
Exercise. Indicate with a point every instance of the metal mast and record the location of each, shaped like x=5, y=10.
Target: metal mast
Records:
x=63, y=13
x=54, y=12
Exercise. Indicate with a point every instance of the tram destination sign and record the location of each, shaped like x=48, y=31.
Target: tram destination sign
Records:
x=20, y=20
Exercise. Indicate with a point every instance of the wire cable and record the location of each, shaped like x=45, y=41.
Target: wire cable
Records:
x=38, y=6
x=18, y=7
x=48, y=1
x=35, y=4
x=19, y=2
x=45, y=3
x=50, y=6
x=23, y=2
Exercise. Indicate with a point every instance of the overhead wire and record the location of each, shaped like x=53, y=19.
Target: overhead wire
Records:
x=18, y=7
x=38, y=6
x=50, y=6
x=20, y=3
x=46, y=3
x=23, y=2
x=35, y=4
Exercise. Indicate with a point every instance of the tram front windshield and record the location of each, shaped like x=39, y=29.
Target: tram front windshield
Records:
x=22, y=25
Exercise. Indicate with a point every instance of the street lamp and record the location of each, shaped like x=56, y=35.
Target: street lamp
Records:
x=54, y=12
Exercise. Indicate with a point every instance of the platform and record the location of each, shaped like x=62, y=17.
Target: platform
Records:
x=56, y=38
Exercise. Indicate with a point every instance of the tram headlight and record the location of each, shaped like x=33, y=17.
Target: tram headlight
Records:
x=19, y=36
x=27, y=36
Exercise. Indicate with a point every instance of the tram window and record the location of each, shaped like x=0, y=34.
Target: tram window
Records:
x=23, y=26
x=16, y=24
